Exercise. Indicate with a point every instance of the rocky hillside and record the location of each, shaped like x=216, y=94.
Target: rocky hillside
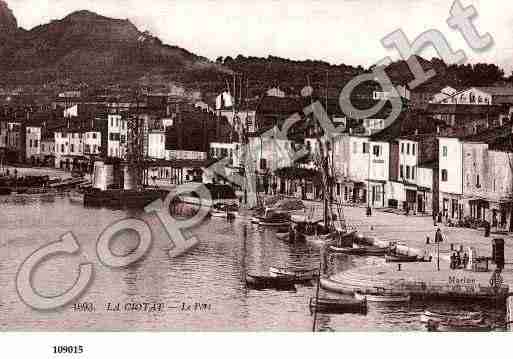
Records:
x=85, y=47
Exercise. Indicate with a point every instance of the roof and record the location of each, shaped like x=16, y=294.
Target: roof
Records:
x=489, y=136
x=503, y=143
x=496, y=90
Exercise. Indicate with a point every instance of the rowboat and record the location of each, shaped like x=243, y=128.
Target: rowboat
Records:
x=299, y=275
x=398, y=258
x=284, y=236
x=223, y=210
x=445, y=316
x=277, y=224
x=458, y=327
x=359, y=251
x=455, y=322
x=385, y=298
x=338, y=306
x=269, y=282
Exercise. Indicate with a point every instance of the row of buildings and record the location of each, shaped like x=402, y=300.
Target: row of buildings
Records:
x=448, y=152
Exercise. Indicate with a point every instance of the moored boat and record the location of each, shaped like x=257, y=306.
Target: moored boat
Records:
x=338, y=306
x=359, y=251
x=398, y=258
x=385, y=298
x=275, y=220
x=283, y=235
x=298, y=274
x=224, y=211
x=477, y=317
x=269, y=282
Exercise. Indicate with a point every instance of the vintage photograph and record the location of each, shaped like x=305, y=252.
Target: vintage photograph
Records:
x=272, y=166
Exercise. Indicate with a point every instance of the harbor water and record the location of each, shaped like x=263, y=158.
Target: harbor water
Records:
x=202, y=290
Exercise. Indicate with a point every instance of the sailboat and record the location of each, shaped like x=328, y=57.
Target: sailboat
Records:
x=332, y=228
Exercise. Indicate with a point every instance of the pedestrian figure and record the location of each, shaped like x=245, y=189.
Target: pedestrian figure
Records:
x=487, y=229
x=438, y=236
x=465, y=260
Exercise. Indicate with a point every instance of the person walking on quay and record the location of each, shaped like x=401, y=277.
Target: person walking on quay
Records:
x=438, y=239
x=438, y=236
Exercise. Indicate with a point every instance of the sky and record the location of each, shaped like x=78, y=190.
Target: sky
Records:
x=337, y=31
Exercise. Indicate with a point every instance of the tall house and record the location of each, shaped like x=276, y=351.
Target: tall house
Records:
x=117, y=136
x=33, y=144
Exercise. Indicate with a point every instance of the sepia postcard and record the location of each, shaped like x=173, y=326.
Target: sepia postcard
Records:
x=272, y=166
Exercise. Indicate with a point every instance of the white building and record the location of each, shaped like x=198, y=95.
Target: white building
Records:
x=92, y=143
x=476, y=96
x=362, y=169
x=117, y=136
x=48, y=149
x=68, y=148
x=157, y=144
x=450, y=175
x=33, y=144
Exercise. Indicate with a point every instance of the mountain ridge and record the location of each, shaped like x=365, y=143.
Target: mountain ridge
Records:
x=87, y=47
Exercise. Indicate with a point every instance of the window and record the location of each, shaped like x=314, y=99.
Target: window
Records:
x=413, y=149
x=72, y=149
x=43, y=147
x=478, y=184
x=407, y=172
x=408, y=149
x=376, y=150
x=444, y=151
x=402, y=147
x=94, y=135
x=30, y=144
x=263, y=164
x=413, y=173
x=401, y=171
x=36, y=143
x=62, y=148
x=444, y=176
x=365, y=147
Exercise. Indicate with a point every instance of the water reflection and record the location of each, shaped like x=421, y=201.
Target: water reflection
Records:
x=213, y=274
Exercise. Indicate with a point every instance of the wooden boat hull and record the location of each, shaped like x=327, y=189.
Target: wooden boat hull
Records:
x=470, y=318
x=298, y=275
x=218, y=214
x=458, y=326
x=284, y=236
x=338, y=306
x=388, y=298
x=362, y=251
x=401, y=259
x=268, y=282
